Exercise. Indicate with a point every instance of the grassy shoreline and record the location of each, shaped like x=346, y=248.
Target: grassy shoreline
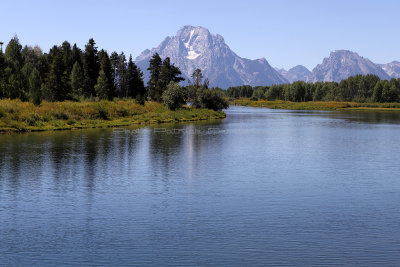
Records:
x=18, y=116
x=320, y=105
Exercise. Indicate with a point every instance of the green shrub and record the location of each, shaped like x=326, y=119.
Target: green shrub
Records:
x=33, y=119
x=140, y=99
x=71, y=121
x=174, y=97
x=102, y=111
x=210, y=99
x=59, y=115
x=123, y=112
x=2, y=113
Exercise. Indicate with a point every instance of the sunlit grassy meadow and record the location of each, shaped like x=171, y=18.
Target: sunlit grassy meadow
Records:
x=18, y=116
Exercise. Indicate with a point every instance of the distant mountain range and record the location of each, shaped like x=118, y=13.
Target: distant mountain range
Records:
x=298, y=73
x=195, y=47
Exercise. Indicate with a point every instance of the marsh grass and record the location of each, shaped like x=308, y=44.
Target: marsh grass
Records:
x=328, y=105
x=18, y=116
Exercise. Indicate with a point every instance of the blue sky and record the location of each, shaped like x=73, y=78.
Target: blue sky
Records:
x=286, y=33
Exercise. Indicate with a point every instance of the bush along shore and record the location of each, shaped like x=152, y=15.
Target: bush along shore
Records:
x=315, y=105
x=18, y=116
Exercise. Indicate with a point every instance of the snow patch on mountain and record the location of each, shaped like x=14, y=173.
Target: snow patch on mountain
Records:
x=192, y=54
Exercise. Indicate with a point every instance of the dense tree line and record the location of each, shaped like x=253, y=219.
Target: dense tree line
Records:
x=359, y=88
x=67, y=73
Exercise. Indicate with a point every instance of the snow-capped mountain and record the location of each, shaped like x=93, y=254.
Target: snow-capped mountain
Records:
x=195, y=47
x=392, y=69
x=298, y=73
x=342, y=64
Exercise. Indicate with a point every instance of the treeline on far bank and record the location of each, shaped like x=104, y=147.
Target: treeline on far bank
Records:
x=67, y=72
x=359, y=88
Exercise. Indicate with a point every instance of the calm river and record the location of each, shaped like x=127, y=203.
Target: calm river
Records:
x=262, y=187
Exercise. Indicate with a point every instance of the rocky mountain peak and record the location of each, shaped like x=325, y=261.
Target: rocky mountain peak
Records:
x=297, y=73
x=187, y=32
x=392, y=69
x=195, y=47
x=342, y=64
x=342, y=52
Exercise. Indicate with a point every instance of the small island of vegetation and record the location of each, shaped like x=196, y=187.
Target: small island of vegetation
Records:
x=70, y=88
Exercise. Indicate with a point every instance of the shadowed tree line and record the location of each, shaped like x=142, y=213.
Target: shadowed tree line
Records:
x=69, y=73
x=359, y=88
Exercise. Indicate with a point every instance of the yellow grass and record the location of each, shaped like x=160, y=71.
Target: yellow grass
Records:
x=18, y=116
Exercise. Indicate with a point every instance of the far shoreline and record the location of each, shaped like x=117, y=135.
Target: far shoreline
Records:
x=315, y=105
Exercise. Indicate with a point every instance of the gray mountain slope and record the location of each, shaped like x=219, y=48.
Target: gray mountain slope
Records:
x=195, y=47
x=342, y=64
x=297, y=73
x=392, y=69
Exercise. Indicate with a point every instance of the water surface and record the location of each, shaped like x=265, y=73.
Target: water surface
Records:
x=260, y=187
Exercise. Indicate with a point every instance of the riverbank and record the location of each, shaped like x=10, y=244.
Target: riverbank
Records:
x=18, y=116
x=328, y=105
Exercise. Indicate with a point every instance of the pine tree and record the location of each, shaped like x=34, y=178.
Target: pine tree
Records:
x=28, y=55
x=76, y=55
x=130, y=83
x=13, y=53
x=91, y=68
x=67, y=57
x=26, y=72
x=43, y=66
x=121, y=69
x=15, y=87
x=105, y=65
x=77, y=81
x=114, y=60
x=2, y=74
x=197, y=77
x=56, y=86
x=35, y=87
x=134, y=80
x=169, y=73
x=140, y=88
x=153, y=85
x=102, y=86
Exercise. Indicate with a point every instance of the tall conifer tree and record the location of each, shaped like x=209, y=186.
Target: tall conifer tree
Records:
x=91, y=67
x=2, y=74
x=134, y=79
x=105, y=66
x=35, y=87
x=56, y=86
x=14, y=87
x=153, y=85
x=77, y=81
